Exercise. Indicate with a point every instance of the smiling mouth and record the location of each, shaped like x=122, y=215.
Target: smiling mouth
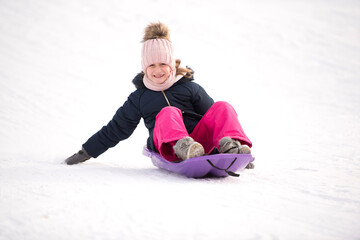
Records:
x=159, y=76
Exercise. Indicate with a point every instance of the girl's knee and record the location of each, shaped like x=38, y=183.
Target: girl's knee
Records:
x=169, y=110
x=222, y=105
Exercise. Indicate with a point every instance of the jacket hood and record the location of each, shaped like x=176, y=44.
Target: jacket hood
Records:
x=138, y=79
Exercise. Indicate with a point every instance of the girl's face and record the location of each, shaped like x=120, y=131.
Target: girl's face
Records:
x=158, y=72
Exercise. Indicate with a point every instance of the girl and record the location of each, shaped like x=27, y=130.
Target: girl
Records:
x=182, y=119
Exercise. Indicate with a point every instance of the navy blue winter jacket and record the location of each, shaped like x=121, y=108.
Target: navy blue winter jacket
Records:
x=186, y=95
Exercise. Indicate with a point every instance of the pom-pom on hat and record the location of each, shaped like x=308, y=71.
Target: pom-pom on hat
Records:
x=156, y=31
x=157, y=48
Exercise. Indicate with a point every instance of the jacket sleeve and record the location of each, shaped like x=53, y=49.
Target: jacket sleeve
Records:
x=201, y=100
x=119, y=128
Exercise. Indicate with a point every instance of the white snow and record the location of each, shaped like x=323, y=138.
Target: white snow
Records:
x=290, y=68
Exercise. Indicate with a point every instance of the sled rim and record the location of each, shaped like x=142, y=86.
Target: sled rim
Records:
x=225, y=164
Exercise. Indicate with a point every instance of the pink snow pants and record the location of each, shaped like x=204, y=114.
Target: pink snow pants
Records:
x=219, y=121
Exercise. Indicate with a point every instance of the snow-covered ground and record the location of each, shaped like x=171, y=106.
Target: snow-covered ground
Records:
x=290, y=68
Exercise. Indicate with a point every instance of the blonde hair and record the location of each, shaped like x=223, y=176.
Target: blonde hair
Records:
x=186, y=72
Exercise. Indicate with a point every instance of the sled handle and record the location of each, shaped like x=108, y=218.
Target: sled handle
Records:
x=231, y=173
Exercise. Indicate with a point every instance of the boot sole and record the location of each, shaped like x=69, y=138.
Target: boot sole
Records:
x=195, y=150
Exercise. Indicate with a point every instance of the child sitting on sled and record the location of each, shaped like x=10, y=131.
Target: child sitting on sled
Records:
x=182, y=119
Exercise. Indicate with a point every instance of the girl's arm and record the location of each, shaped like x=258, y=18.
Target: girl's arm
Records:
x=119, y=128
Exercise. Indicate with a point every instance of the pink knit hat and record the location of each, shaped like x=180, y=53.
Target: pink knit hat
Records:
x=157, y=51
x=157, y=48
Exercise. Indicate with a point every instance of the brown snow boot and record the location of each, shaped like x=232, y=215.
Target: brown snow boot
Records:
x=229, y=145
x=187, y=148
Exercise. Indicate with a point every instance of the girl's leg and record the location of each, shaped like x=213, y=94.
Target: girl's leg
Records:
x=169, y=127
x=219, y=121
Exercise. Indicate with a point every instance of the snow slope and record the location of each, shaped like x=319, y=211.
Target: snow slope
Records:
x=290, y=68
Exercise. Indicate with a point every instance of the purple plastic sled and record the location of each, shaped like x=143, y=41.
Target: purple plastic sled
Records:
x=218, y=165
